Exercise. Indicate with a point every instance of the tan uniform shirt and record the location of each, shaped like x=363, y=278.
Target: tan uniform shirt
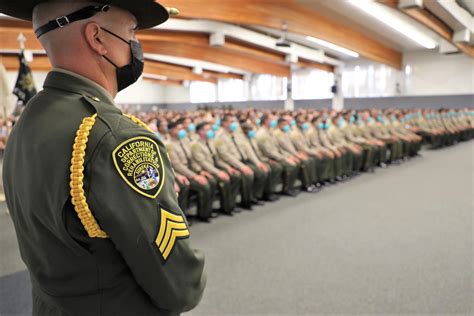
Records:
x=300, y=142
x=206, y=158
x=181, y=158
x=285, y=143
x=268, y=145
x=249, y=148
x=228, y=150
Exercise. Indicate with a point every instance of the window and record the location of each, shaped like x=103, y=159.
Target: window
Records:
x=268, y=87
x=312, y=84
x=373, y=80
x=229, y=89
x=201, y=91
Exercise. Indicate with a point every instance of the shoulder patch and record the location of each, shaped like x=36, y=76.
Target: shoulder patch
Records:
x=138, y=161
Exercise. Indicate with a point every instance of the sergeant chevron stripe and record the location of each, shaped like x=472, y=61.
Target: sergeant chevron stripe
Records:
x=172, y=227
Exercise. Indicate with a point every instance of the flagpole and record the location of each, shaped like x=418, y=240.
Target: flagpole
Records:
x=21, y=39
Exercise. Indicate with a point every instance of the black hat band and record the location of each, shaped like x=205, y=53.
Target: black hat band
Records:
x=62, y=21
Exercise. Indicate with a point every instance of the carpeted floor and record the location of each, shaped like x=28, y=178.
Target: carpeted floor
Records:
x=399, y=241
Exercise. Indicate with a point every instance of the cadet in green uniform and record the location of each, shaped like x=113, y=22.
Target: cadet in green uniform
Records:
x=306, y=164
x=271, y=170
x=337, y=137
x=323, y=164
x=394, y=145
x=229, y=152
x=345, y=161
x=269, y=148
x=89, y=189
x=205, y=157
x=351, y=135
x=366, y=132
x=180, y=155
x=425, y=130
x=312, y=137
x=190, y=127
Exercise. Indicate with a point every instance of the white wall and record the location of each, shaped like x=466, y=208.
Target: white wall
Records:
x=436, y=74
x=423, y=73
x=144, y=92
x=175, y=94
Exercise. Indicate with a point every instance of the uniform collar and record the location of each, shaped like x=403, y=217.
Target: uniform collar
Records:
x=72, y=82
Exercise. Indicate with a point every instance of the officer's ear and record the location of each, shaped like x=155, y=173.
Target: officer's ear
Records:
x=94, y=38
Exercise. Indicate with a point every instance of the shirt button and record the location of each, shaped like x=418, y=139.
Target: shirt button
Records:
x=96, y=99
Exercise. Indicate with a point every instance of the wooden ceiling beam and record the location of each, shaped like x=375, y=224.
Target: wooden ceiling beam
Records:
x=466, y=49
x=164, y=82
x=175, y=72
x=431, y=21
x=311, y=64
x=254, y=51
x=215, y=74
x=12, y=63
x=191, y=38
x=9, y=35
x=202, y=40
x=231, y=45
x=300, y=20
x=216, y=55
x=428, y=19
x=390, y=3
x=172, y=44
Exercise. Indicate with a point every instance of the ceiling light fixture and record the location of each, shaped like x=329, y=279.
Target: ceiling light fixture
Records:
x=390, y=17
x=333, y=46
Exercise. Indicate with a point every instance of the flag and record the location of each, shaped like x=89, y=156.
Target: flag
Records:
x=25, y=86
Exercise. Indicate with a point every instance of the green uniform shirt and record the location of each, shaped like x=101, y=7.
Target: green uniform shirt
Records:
x=145, y=265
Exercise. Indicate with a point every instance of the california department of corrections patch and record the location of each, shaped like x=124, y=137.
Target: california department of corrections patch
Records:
x=138, y=161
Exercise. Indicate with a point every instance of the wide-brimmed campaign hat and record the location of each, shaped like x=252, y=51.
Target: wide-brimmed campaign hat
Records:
x=147, y=12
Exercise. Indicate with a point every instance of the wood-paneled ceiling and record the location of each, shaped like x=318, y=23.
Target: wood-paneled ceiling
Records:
x=249, y=57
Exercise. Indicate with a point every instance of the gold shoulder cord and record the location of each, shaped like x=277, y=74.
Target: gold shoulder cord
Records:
x=78, y=197
x=137, y=121
x=142, y=124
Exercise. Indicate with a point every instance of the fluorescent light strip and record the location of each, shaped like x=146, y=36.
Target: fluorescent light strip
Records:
x=390, y=18
x=333, y=46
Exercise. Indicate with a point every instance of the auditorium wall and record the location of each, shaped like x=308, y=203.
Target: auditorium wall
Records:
x=143, y=92
x=423, y=73
x=435, y=74
x=427, y=79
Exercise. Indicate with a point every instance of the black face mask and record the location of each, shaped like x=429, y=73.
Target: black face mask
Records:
x=129, y=74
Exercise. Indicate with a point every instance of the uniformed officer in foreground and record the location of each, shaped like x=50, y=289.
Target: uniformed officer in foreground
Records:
x=90, y=190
